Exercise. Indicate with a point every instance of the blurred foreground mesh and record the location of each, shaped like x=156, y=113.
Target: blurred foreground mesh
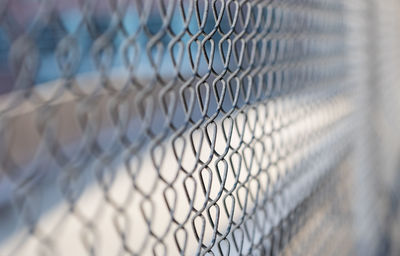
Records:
x=200, y=127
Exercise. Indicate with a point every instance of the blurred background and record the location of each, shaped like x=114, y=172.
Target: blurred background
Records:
x=199, y=127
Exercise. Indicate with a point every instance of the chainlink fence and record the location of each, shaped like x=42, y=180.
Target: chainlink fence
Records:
x=199, y=127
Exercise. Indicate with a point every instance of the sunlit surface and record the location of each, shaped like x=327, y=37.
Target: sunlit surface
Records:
x=282, y=125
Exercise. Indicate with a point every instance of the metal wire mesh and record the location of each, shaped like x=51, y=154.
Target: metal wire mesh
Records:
x=198, y=127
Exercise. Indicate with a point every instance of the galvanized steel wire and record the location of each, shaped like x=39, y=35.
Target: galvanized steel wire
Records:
x=188, y=127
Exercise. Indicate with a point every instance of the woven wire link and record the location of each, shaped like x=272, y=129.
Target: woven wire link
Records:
x=180, y=127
